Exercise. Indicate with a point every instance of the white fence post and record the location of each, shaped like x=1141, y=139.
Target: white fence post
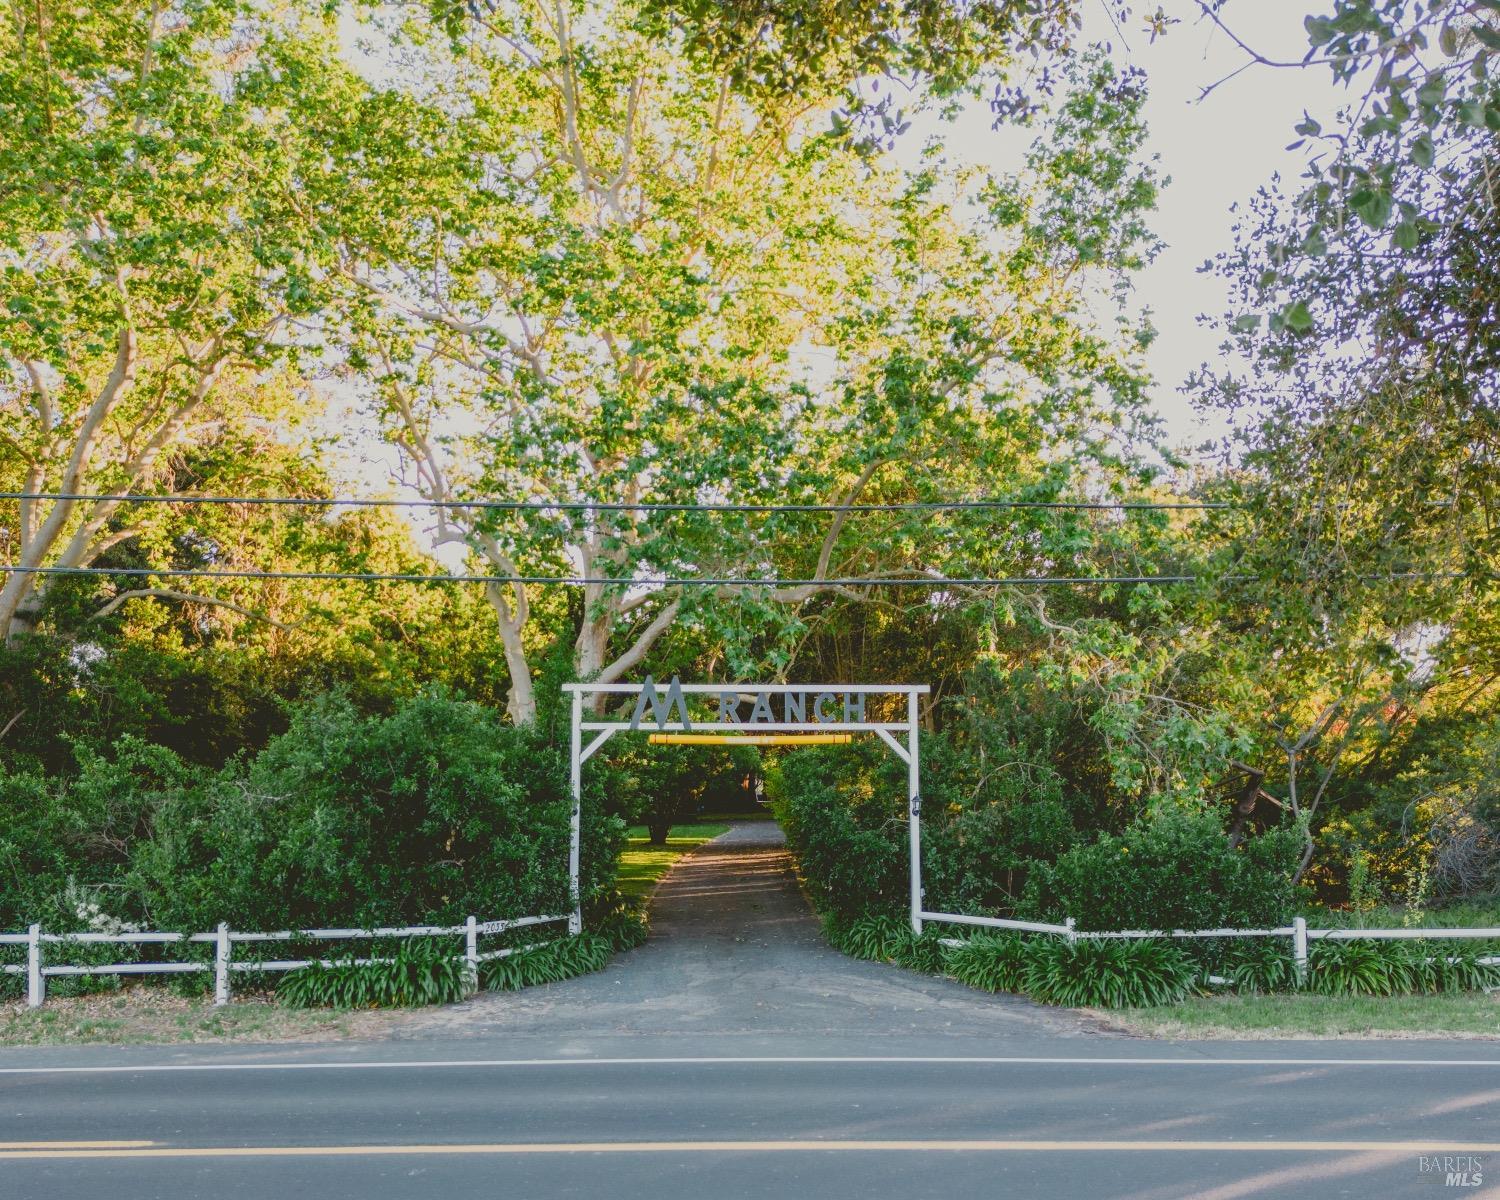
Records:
x=471, y=952
x=1072, y=936
x=1299, y=949
x=221, y=964
x=36, y=984
x=914, y=810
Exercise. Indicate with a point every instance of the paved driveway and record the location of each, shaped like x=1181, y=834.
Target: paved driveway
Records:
x=735, y=949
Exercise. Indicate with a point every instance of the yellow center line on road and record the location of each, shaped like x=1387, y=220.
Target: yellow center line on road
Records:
x=961, y=1146
x=96, y=1145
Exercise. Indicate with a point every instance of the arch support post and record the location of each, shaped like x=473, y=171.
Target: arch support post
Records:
x=575, y=831
x=914, y=807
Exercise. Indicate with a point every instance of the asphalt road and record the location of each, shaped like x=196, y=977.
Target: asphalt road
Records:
x=915, y=1091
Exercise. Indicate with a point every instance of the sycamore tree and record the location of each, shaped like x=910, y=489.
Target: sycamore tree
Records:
x=149, y=251
x=580, y=269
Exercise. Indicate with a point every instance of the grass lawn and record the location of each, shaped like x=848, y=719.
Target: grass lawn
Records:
x=148, y=1014
x=642, y=864
x=1461, y=1014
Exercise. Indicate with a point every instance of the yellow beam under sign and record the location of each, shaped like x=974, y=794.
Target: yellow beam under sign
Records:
x=750, y=739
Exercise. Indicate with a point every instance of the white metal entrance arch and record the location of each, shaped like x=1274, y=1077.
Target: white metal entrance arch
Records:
x=785, y=712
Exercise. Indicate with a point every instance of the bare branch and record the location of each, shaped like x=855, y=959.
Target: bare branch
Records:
x=835, y=528
x=642, y=644
x=44, y=405
x=448, y=320
x=189, y=598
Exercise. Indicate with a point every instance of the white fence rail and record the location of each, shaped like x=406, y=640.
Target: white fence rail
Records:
x=1065, y=929
x=223, y=940
x=1298, y=931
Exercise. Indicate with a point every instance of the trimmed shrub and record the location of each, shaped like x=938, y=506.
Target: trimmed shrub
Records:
x=887, y=939
x=426, y=815
x=419, y=973
x=1107, y=973
x=551, y=962
x=1453, y=967
x=991, y=962
x=1359, y=968
x=429, y=814
x=1376, y=967
x=1173, y=871
x=618, y=919
x=1259, y=965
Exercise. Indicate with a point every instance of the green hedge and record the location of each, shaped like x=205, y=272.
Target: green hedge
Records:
x=426, y=815
x=1174, y=870
x=1013, y=853
x=841, y=810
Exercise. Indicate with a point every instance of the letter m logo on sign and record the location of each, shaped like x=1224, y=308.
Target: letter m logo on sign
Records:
x=661, y=709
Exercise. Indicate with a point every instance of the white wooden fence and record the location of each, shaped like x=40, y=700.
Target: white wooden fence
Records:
x=1298, y=931
x=223, y=940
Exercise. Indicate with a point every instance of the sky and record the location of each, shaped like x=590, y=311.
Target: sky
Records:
x=1217, y=151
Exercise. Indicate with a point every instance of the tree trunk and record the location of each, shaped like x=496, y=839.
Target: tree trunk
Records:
x=521, y=703
x=28, y=611
x=591, y=650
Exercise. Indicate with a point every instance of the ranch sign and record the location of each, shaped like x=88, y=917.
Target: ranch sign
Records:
x=748, y=714
x=752, y=706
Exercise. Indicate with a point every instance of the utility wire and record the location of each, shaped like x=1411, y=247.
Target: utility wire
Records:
x=584, y=580
x=618, y=506
x=932, y=581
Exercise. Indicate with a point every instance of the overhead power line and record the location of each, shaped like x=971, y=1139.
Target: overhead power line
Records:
x=618, y=505
x=930, y=581
x=584, y=580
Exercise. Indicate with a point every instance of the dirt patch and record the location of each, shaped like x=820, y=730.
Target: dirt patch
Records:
x=1465, y=1016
